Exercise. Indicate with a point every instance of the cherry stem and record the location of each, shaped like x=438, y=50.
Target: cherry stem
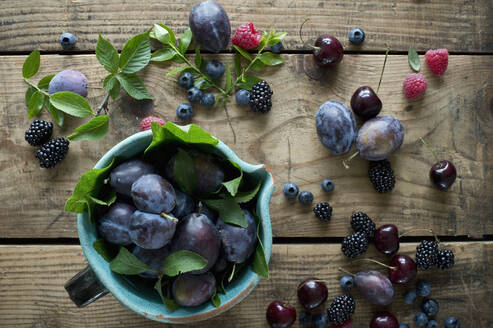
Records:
x=430, y=149
x=301, y=37
x=427, y=230
x=377, y=262
x=383, y=68
x=346, y=161
x=345, y=271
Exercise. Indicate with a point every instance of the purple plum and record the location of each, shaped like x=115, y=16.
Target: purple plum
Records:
x=193, y=290
x=379, y=137
x=210, y=26
x=151, y=193
x=375, y=287
x=124, y=175
x=152, y=257
x=152, y=231
x=114, y=224
x=69, y=80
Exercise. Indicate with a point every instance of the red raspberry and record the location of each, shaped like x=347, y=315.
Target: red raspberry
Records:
x=414, y=85
x=246, y=36
x=145, y=124
x=437, y=60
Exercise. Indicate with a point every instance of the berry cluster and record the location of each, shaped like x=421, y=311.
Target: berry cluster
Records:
x=259, y=98
x=52, y=151
x=214, y=69
x=357, y=243
x=429, y=256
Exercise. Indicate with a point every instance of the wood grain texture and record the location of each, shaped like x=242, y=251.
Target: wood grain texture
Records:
x=455, y=116
x=459, y=25
x=32, y=293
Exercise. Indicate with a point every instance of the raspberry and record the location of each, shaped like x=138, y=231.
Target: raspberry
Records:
x=52, y=152
x=414, y=85
x=437, y=60
x=341, y=309
x=246, y=36
x=145, y=124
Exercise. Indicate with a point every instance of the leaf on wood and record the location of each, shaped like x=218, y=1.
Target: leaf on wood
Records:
x=414, y=60
x=136, y=54
x=44, y=83
x=95, y=129
x=35, y=104
x=31, y=64
x=71, y=103
x=134, y=86
x=107, y=55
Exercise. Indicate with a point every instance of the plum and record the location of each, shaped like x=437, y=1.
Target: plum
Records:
x=221, y=263
x=238, y=243
x=210, y=26
x=69, y=80
x=152, y=257
x=212, y=215
x=151, y=193
x=114, y=224
x=336, y=127
x=379, y=137
x=198, y=234
x=193, y=290
x=124, y=175
x=375, y=287
x=184, y=204
x=151, y=231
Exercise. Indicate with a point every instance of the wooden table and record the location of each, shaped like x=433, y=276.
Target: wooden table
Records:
x=39, y=249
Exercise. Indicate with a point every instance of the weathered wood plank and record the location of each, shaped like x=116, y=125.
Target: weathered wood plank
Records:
x=32, y=294
x=459, y=25
x=456, y=116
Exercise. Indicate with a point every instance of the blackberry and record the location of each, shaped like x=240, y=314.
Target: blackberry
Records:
x=341, y=309
x=426, y=255
x=260, y=97
x=381, y=176
x=354, y=245
x=445, y=259
x=39, y=132
x=323, y=211
x=52, y=152
x=362, y=223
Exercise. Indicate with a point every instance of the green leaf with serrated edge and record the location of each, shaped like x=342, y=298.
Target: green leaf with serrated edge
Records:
x=183, y=261
x=202, y=84
x=232, y=185
x=176, y=70
x=216, y=300
x=244, y=53
x=56, y=115
x=229, y=210
x=29, y=93
x=102, y=249
x=198, y=58
x=265, y=39
x=237, y=64
x=184, y=41
x=31, y=64
x=184, y=172
x=136, y=54
x=276, y=38
x=35, y=104
x=229, y=79
x=71, y=103
x=127, y=263
x=271, y=59
x=45, y=82
x=163, y=34
x=258, y=65
x=169, y=303
x=246, y=196
x=162, y=54
x=115, y=91
x=134, y=86
x=250, y=80
x=95, y=129
x=107, y=55
x=414, y=61
x=109, y=82
x=179, y=60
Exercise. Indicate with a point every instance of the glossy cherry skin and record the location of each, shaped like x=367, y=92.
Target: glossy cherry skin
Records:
x=312, y=292
x=365, y=103
x=328, y=51
x=280, y=315
x=386, y=239
x=406, y=269
x=443, y=175
x=384, y=320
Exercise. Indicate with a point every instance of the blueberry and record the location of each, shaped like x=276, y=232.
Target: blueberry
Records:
x=305, y=197
x=184, y=112
x=430, y=307
x=290, y=190
x=403, y=325
x=423, y=288
x=356, y=36
x=186, y=80
x=410, y=297
x=277, y=48
x=208, y=100
x=420, y=319
x=320, y=321
x=243, y=97
x=327, y=185
x=432, y=324
x=215, y=69
x=347, y=282
x=67, y=41
x=452, y=322
x=306, y=319
x=194, y=95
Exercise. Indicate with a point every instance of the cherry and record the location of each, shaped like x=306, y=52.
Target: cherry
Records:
x=442, y=173
x=386, y=239
x=405, y=271
x=365, y=103
x=384, y=320
x=280, y=315
x=347, y=324
x=328, y=50
x=312, y=292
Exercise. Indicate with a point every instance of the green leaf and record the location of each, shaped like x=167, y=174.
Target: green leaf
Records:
x=102, y=248
x=246, y=196
x=31, y=64
x=265, y=39
x=127, y=263
x=250, y=80
x=45, y=82
x=232, y=185
x=216, y=300
x=184, y=41
x=198, y=58
x=57, y=115
x=271, y=59
x=29, y=93
x=177, y=70
x=414, y=61
x=164, y=34
x=162, y=54
x=259, y=264
x=134, y=86
x=229, y=210
x=136, y=54
x=71, y=103
x=95, y=129
x=107, y=55
x=229, y=79
x=202, y=84
x=111, y=199
x=89, y=205
x=184, y=172
x=115, y=91
x=169, y=303
x=276, y=38
x=35, y=104
x=257, y=65
x=235, y=270
x=244, y=53
x=237, y=62
x=183, y=261
x=109, y=82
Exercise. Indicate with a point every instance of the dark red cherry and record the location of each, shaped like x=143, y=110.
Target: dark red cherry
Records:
x=328, y=50
x=384, y=320
x=406, y=269
x=280, y=315
x=386, y=239
x=312, y=292
x=365, y=103
x=443, y=175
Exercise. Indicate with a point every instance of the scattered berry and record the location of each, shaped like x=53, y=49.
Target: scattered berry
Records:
x=320, y=321
x=184, y=112
x=403, y=325
x=356, y=36
x=277, y=48
x=381, y=176
x=362, y=223
x=426, y=254
x=186, y=80
x=39, y=132
x=52, y=152
x=312, y=292
x=323, y=211
x=327, y=185
x=354, y=245
x=452, y=322
x=414, y=85
x=327, y=50
x=384, y=320
x=430, y=307
x=341, y=309
x=280, y=315
x=410, y=297
x=194, y=95
x=145, y=124
x=208, y=99
x=290, y=190
x=243, y=97
x=215, y=69
x=437, y=60
x=67, y=41
x=305, y=319
x=260, y=97
x=432, y=324
x=420, y=319
x=305, y=197
x=347, y=324
x=347, y=282
x=423, y=288
x=445, y=259
x=246, y=36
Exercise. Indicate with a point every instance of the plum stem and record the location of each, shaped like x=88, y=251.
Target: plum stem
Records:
x=346, y=161
x=383, y=68
x=427, y=230
x=431, y=150
x=200, y=206
x=169, y=217
x=377, y=262
x=345, y=271
x=103, y=105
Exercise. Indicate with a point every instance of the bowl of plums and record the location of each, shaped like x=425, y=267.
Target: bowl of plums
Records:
x=173, y=224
